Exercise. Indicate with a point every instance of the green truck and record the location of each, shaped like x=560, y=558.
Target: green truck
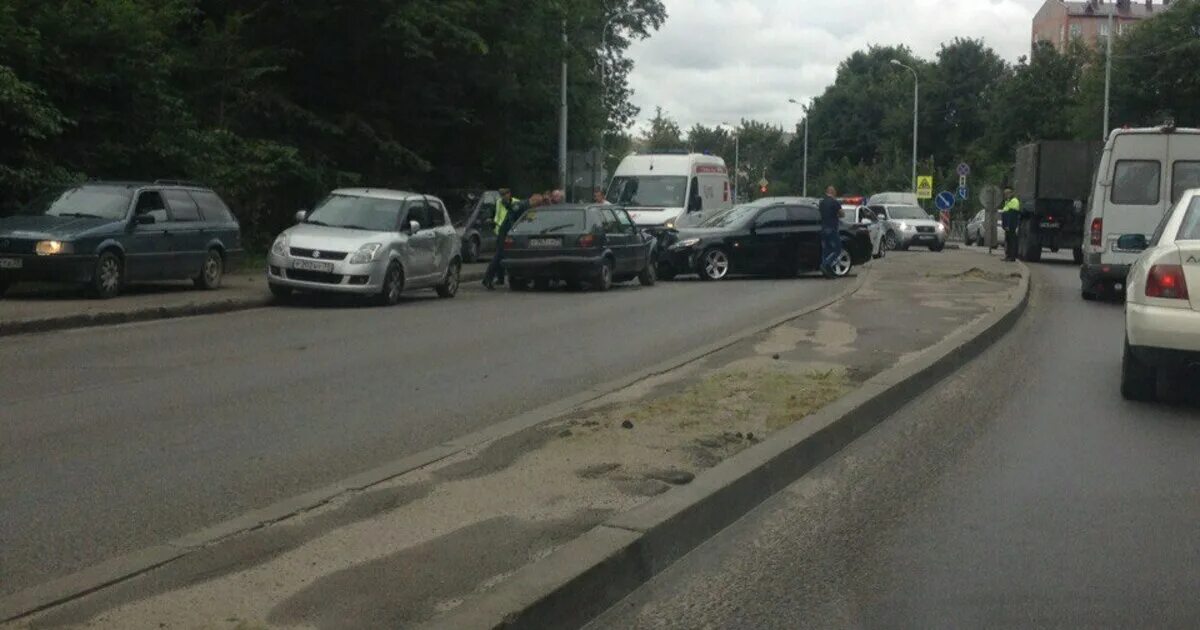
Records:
x=1053, y=180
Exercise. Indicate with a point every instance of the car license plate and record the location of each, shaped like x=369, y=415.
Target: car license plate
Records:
x=545, y=242
x=1049, y=225
x=312, y=265
x=11, y=263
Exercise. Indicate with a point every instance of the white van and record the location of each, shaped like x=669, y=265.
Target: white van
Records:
x=660, y=189
x=1142, y=173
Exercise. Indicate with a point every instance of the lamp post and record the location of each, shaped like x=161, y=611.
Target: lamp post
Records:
x=916, y=105
x=1108, y=69
x=737, y=158
x=804, y=191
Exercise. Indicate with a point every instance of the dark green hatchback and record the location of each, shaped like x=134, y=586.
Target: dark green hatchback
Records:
x=104, y=235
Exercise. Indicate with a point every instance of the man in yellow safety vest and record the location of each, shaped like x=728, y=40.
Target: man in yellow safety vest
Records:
x=1010, y=218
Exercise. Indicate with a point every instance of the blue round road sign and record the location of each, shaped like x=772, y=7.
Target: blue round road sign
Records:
x=945, y=200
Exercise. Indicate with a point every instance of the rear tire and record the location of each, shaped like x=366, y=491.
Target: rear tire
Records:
x=211, y=272
x=1088, y=296
x=449, y=286
x=1077, y=254
x=1029, y=244
x=1139, y=382
x=108, y=277
x=393, y=285
x=603, y=280
x=842, y=267
x=649, y=275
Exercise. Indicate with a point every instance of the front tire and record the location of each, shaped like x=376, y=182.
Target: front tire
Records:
x=108, y=277
x=211, y=272
x=1139, y=382
x=649, y=275
x=891, y=241
x=449, y=286
x=714, y=265
x=393, y=285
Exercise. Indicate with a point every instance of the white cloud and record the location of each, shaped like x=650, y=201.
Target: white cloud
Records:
x=722, y=60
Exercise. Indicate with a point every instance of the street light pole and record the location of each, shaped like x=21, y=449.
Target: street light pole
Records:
x=916, y=105
x=804, y=188
x=737, y=158
x=1108, y=71
x=562, y=120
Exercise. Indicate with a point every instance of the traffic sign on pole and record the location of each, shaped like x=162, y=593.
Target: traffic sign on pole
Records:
x=963, y=169
x=945, y=200
x=925, y=187
x=964, y=192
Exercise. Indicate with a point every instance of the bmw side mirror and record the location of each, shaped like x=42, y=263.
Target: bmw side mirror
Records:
x=413, y=227
x=145, y=219
x=1133, y=243
x=301, y=215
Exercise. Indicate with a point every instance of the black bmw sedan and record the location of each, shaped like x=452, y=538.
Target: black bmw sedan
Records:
x=771, y=236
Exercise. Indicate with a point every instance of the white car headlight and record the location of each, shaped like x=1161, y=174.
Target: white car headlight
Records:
x=941, y=227
x=51, y=248
x=687, y=242
x=366, y=253
x=279, y=248
x=902, y=225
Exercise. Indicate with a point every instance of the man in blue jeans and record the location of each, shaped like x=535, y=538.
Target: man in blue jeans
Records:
x=831, y=239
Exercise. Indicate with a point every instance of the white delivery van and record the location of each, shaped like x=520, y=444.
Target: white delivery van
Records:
x=1142, y=173
x=660, y=189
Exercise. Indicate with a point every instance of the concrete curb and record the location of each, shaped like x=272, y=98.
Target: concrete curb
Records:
x=115, y=570
x=151, y=313
x=587, y=576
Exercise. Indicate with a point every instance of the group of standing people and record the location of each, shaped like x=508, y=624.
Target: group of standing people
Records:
x=509, y=210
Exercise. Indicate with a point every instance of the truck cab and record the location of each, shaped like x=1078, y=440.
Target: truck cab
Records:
x=1142, y=173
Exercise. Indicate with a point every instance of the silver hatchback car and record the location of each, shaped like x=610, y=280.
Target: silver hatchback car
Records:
x=370, y=242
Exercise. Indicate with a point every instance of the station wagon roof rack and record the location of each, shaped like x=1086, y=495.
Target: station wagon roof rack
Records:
x=179, y=182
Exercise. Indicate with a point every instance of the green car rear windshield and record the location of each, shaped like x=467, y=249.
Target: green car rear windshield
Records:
x=552, y=222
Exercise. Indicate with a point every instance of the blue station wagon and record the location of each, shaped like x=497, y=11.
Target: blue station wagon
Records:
x=104, y=235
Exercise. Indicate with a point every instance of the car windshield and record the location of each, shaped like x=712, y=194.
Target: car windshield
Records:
x=357, y=213
x=907, y=212
x=551, y=222
x=731, y=217
x=1190, y=230
x=657, y=191
x=98, y=202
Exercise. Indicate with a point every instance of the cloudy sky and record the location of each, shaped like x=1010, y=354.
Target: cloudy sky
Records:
x=720, y=60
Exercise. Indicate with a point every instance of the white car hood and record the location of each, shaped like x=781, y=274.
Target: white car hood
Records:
x=652, y=216
x=307, y=236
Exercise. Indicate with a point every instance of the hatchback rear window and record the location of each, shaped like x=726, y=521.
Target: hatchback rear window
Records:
x=1137, y=182
x=551, y=222
x=1190, y=230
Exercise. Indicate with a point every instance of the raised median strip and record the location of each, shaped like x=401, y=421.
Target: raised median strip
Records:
x=595, y=571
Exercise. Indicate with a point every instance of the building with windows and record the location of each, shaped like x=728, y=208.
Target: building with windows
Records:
x=1061, y=21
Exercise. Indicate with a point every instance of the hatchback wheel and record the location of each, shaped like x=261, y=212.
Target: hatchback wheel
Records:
x=649, y=275
x=604, y=276
x=212, y=271
x=449, y=286
x=393, y=285
x=108, y=277
x=714, y=265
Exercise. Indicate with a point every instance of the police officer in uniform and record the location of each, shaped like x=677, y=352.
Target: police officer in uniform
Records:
x=1010, y=218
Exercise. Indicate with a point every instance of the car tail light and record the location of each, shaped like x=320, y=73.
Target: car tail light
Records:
x=587, y=240
x=509, y=242
x=1167, y=282
x=1097, y=232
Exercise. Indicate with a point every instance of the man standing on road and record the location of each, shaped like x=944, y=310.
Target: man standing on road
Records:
x=1010, y=218
x=831, y=240
x=503, y=206
x=511, y=216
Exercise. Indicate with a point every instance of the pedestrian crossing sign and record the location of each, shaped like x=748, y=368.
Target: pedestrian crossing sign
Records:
x=925, y=187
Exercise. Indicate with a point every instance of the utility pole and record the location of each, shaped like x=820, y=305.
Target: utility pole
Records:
x=804, y=186
x=562, y=122
x=1108, y=70
x=737, y=159
x=916, y=105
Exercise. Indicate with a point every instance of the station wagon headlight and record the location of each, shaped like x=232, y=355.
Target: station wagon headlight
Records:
x=52, y=248
x=280, y=246
x=366, y=253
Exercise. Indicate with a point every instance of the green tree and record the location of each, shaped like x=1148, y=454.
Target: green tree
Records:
x=663, y=134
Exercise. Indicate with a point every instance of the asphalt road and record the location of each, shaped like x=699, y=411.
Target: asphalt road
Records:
x=1023, y=492
x=114, y=439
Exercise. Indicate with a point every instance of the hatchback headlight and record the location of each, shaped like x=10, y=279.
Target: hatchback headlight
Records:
x=366, y=253
x=280, y=246
x=51, y=248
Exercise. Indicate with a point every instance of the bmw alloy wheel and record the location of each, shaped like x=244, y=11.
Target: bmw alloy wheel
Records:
x=716, y=264
x=843, y=264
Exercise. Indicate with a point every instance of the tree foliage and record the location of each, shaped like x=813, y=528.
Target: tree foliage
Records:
x=274, y=103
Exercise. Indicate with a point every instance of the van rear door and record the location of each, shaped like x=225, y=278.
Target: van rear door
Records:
x=1137, y=194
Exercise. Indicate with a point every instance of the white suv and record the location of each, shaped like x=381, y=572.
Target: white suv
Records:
x=1162, y=317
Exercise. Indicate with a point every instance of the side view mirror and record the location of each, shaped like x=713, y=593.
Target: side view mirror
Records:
x=301, y=215
x=1133, y=243
x=145, y=219
x=414, y=227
